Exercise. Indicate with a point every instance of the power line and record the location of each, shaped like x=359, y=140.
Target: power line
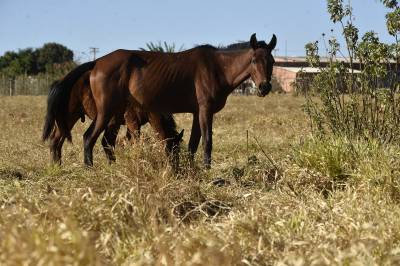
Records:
x=94, y=50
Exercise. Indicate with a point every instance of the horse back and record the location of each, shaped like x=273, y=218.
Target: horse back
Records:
x=160, y=82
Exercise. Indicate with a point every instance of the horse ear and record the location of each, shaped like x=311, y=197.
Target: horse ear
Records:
x=272, y=43
x=253, y=41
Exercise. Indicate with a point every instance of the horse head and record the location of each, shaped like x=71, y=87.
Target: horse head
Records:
x=262, y=63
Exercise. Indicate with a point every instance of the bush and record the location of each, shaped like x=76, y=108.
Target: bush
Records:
x=356, y=104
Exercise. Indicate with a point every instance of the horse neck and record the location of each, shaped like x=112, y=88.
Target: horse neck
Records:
x=236, y=66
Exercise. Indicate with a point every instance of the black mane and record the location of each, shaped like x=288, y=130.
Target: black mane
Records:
x=169, y=124
x=206, y=46
x=233, y=46
x=243, y=45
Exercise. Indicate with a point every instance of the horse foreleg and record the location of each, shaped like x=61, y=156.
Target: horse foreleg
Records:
x=205, y=121
x=194, y=136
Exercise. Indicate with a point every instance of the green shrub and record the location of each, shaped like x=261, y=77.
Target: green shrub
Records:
x=355, y=104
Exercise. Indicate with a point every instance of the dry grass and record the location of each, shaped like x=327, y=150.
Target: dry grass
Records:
x=303, y=202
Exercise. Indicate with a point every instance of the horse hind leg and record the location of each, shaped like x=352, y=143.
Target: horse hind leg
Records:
x=108, y=141
x=91, y=135
x=55, y=146
x=59, y=149
x=58, y=140
x=133, y=125
x=88, y=152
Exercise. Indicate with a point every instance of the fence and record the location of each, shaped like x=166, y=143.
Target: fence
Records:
x=248, y=87
x=26, y=85
x=40, y=84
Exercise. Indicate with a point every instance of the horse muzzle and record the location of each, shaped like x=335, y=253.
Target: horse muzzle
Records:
x=263, y=89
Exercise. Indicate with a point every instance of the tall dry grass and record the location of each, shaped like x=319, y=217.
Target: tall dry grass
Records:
x=278, y=197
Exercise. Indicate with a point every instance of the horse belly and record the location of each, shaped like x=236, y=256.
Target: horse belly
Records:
x=166, y=98
x=179, y=99
x=172, y=106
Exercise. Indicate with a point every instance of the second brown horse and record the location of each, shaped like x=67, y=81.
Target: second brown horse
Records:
x=81, y=103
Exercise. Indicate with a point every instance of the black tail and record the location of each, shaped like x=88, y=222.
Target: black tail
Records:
x=58, y=99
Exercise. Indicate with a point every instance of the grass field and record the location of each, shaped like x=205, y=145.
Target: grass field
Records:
x=278, y=197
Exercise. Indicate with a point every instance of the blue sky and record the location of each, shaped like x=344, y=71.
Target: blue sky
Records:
x=129, y=24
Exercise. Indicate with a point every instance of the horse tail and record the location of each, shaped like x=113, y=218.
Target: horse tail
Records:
x=82, y=115
x=50, y=117
x=58, y=99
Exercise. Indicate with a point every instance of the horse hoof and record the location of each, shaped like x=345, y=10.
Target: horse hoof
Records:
x=88, y=163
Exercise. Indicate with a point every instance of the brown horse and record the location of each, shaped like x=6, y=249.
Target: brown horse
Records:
x=81, y=102
x=195, y=81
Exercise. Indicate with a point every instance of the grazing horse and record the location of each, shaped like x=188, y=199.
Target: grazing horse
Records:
x=81, y=103
x=196, y=81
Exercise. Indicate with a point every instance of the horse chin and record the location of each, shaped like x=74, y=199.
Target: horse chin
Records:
x=260, y=94
x=264, y=89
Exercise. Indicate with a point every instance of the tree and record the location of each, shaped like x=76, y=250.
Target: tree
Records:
x=23, y=62
x=27, y=61
x=52, y=53
x=52, y=57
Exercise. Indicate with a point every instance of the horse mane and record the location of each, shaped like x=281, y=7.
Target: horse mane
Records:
x=243, y=45
x=230, y=47
x=206, y=46
x=169, y=124
x=233, y=46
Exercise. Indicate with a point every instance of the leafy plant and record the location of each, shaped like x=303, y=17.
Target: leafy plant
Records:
x=356, y=104
x=161, y=47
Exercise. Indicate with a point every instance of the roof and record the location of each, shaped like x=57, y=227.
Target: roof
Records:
x=322, y=59
x=308, y=69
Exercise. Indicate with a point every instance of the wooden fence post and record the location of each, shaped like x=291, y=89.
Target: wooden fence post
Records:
x=11, y=87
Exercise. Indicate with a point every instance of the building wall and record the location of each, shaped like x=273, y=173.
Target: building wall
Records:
x=285, y=78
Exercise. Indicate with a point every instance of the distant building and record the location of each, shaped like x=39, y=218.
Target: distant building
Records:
x=291, y=70
x=287, y=77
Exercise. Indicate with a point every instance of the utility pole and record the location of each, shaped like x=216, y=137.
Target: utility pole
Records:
x=286, y=50
x=94, y=50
